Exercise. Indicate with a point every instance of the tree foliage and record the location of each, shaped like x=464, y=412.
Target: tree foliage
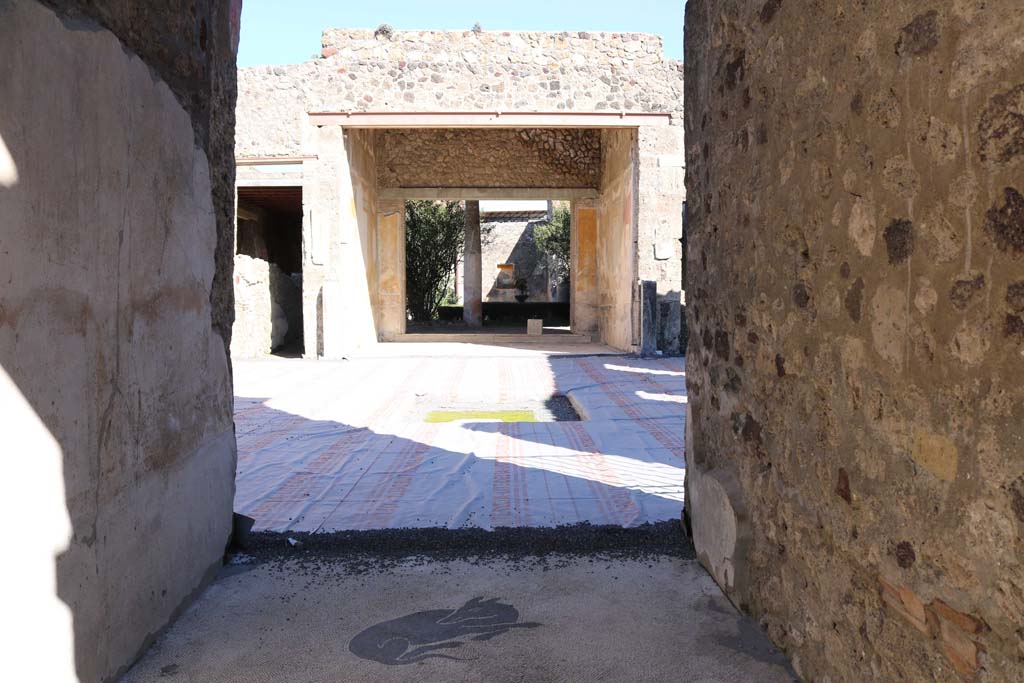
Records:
x=552, y=238
x=434, y=235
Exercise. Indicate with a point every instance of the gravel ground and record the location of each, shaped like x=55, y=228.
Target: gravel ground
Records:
x=356, y=552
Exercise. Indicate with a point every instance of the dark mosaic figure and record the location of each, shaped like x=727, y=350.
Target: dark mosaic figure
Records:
x=418, y=636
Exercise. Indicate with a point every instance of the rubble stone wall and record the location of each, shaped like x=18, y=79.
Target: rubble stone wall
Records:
x=454, y=71
x=489, y=158
x=856, y=305
x=268, y=308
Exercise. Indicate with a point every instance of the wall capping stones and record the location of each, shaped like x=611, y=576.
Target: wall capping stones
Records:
x=601, y=48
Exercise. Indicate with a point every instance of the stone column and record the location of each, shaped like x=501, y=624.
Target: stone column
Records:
x=472, y=307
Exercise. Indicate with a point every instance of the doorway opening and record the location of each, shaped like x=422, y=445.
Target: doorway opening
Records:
x=523, y=249
x=268, y=271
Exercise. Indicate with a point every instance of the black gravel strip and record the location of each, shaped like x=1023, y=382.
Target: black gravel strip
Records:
x=360, y=551
x=561, y=409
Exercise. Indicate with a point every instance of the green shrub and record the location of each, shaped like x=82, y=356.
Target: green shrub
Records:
x=434, y=236
x=552, y=238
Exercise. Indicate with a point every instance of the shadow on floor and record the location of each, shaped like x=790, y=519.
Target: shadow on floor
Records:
x=296, y=473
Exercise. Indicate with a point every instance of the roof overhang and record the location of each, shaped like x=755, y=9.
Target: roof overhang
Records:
x=495, y=119
x=273, y=161
x=486, y=193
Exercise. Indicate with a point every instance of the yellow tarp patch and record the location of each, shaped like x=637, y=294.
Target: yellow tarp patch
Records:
x=503, y=415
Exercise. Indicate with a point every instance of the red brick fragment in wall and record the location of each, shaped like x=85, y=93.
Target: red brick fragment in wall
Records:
x=951, y=628
x=906, y=604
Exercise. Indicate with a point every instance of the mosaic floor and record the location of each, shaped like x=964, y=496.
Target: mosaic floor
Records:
x=334, y=445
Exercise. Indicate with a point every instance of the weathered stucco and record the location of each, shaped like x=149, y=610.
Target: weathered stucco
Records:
x=114, y=320
x=583, y=293
x=193, y=52
x=341, y=244
x=616, y=240
x=855, y=269
x=391, y=268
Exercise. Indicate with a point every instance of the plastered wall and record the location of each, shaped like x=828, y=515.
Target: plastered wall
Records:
x=616, y=239
x=391, y=268
x=115, y=207
x=856, y=264
x=341, y=244
x=583, y=291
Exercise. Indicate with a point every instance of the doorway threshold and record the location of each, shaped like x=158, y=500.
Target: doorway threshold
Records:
x=495, y=338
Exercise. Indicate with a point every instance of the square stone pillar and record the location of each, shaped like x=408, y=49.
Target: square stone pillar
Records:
x=472, y=302
x=583, y=294
x=312, y=311
x=648, y=294
x=340, y=252
x=391, y=262
x=320, y=211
